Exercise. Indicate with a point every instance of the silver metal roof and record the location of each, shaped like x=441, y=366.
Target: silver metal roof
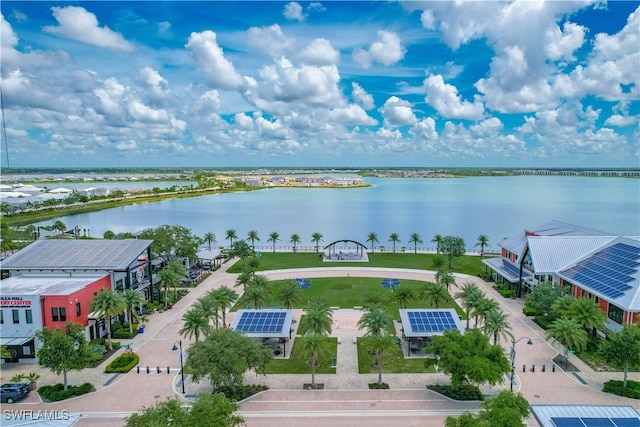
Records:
x=559, y=228
x=544, y=413
x=77, y=255
x=32, y=284
x=550, y=254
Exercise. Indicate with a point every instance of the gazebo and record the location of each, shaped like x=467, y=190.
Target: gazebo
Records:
x=345, y=250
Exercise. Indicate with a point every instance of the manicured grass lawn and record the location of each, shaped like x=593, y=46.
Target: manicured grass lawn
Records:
x=394, y=361
x=349, y=292
x=282, y=260
x=299, y=363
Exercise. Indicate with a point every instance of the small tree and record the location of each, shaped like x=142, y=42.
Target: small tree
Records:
x=403, y=296
x=132, y=300
x=63, y=350
x=394, y=238
x=622, y=350
x=507, y=409
x=294, y=240
x=543, y=296
x=210, y=238
x=315, y=346
x=289, y=294
x=415, y=239
x=196, y=323
x=273, y=238
x=107, y=304
x=569, y=334
x=437, y=239
x=373, y=238
x=483, y=240
x=452, y=247
x=231, y=235
x=252, y=236
x=316, y=238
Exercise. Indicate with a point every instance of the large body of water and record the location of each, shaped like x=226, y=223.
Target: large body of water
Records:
x=498, y=207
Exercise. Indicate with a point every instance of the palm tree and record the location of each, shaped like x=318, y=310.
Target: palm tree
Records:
x=256, y=296
x=394, y=238
x=195, y=323
x=210, y=238
x=208, y=306
x=176, y=270
x=484, y=306
x=483, y=240
x=376, y=321
x=316, y=238
x=294, y=239
x=273, y=238
x=496, y=325
x=252, y=236
x=261, y=281
x=373, y=298
x=403, y=296
x=231, y=236
x=314, y=345
x=587, y=314
x=107, y=304
x=379, y=343
x=133, y=299
x=563, y=305
x=319, y=318
x=469, y=295
x=244, y=278
x=415, y=239
x=59, y=226
x=569, y=334
x=437, y=239
x=289, y=294
x=373, y=238
x=438, y=263
x=446, y=278
x=226, y=298
x=433, y=293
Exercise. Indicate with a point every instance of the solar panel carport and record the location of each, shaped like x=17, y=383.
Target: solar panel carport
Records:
x=420, y=324
x=264, y=324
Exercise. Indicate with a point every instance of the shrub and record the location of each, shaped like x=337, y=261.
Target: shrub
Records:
x=485, y=275
x=243, y=392
x=97, y=348
x=376, y=386
x=466, y=392
x=56, y=392
x=122, y=334
x=507, y=293
x=18, y=378
x=123, y=363
x=530, y=311
x=615, y=387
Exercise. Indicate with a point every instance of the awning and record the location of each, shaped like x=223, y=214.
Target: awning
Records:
x=15, y=340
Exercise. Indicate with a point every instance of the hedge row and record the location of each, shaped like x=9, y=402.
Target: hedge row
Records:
x=615, y=387
x=123, y=363
x=466, y=392
x=56, y=392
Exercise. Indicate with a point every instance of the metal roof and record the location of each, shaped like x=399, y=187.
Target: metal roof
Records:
x=508, y=270
x=559, y=228
x=552, y=253
x=544, y=413
x=32, y=284
x=76, y=255
x=630, y=298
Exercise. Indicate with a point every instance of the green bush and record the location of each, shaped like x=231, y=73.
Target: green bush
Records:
x=376, y=386
x=485, y=275
x=530, y=311
x=56, y=392
x=615, y=387
x=241, y=393
x=544, y=321
x=466, y=392
x=123, y=363
x=122, y=334
x=507, y=293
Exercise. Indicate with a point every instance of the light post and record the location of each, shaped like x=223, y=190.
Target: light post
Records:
x=181, y=361
x=513, y=356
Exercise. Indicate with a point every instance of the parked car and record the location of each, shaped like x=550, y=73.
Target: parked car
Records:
x=13, y=392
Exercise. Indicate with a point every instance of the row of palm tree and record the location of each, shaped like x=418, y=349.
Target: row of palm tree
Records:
x=317, y=327
x=380, y=335
x=109, y=303
x=485, y=311
x=208, y=312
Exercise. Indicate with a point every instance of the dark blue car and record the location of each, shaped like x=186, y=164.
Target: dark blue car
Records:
x=13, y=392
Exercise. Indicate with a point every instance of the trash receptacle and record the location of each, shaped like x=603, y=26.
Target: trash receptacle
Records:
x=141, y=329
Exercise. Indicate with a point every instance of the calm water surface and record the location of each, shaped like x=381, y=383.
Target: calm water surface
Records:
x=499, y=207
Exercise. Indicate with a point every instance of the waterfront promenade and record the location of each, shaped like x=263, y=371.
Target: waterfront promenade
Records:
x=346, y=400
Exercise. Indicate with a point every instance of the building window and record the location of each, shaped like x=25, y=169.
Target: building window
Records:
x=1, y=317
x=54, y=314
x=78, y=310
x=28, y=315
x=16, y=316
x=63, y=314
x=616, y=314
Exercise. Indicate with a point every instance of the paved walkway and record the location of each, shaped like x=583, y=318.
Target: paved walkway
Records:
x=346, y=400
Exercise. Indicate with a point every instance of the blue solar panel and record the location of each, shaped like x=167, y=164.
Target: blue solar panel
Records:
x=626, y=422
x=303, y=283
x=390, y=283
x=261, y=322
x=597, y=422
x=567, y=422
x=431, y=321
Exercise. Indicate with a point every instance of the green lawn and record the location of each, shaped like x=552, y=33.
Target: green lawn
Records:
x=394, y=362
x=349, y=292
x=299, y=363
x=282, y=260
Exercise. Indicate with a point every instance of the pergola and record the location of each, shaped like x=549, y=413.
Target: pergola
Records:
x=332, y=251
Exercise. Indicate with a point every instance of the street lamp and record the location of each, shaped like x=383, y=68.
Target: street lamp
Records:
x=513, y=356
x=181, y=361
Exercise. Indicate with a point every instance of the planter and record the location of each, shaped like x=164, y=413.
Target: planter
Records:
x=33, y=386
x=316, y=386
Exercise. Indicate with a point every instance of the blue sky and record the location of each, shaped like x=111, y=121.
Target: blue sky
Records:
x=337, y=83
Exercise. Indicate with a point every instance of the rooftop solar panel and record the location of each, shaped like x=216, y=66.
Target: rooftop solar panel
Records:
x=626, y=422
x=263, y=323
x=597, y=422
x=567, y=422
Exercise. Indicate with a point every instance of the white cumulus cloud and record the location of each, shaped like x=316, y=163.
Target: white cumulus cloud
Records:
x=388, y=50
x=448, y=102
x=210, y=60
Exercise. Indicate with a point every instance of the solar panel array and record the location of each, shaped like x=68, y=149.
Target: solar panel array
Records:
x=390, y=283
x=303, y=283
x=431, y=321
x=261, y=322
x=595, y=422
x=609, y=271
